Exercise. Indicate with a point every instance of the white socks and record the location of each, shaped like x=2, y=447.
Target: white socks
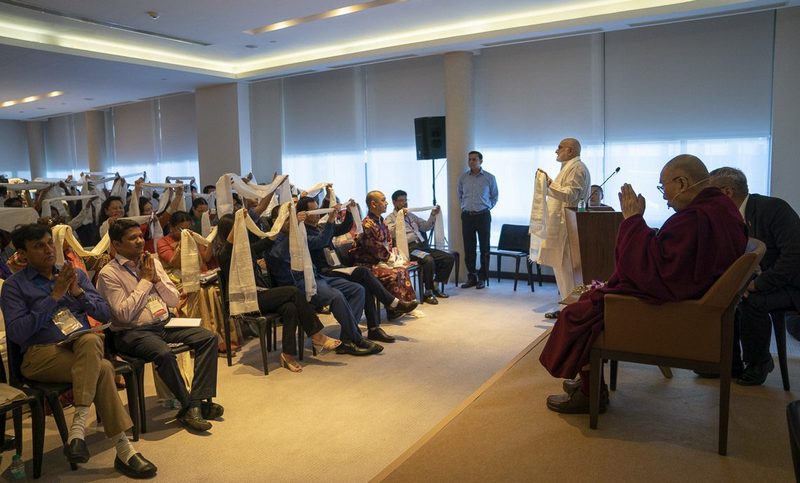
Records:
x=394, y=302
x=78, y=428
x=124, y=447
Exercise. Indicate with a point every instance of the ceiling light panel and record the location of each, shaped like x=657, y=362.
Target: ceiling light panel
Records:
x=335, y=12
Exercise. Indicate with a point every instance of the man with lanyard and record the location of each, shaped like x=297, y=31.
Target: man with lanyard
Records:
x=430, y=259
x=43, y=306
x=140, y=294
x=477, y=194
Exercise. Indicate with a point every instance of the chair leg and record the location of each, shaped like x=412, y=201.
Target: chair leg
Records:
x=596, y=363
x=516, y=273
x=263, y=333
x=132, y=391
x=539, y=273
x=779, y=327
x=724, y=408
x=37, y=425
x=613, y=379
x=226, y=324
x=458, y=266
x=530, y=274
x=139, y=370
x=61, y=422
x=17, y=418
x=301, y=341
x=499, y=264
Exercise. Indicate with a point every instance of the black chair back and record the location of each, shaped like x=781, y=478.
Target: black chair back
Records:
x=343, y=252
x=793, y=420
x=514, y=238
x=15, y=377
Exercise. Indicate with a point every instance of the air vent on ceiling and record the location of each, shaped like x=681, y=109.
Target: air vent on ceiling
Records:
x=727, y=13
x=376, y=61
x=543, y=37
x=102, y=23
x=282, y=76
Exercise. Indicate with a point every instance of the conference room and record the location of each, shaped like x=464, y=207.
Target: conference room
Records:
x=381, y=96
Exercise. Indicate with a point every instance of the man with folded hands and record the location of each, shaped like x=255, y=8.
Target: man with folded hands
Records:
x=42, y=305
x=140, y=294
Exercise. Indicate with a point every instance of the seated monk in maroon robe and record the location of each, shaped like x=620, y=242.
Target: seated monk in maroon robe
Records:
x=678, y=262
x=373, y=248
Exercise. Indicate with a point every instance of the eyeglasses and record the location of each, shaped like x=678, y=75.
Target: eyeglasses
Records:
x=661, y=186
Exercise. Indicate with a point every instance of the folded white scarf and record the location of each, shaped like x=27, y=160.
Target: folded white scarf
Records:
x=120, y=188
x=26, y=186
x=298, y=249
x=227, y=182
x=11, y=217
x=538, y=221
x=401, y=240
x=62, y=233
x=47, y=202
x=190, y=258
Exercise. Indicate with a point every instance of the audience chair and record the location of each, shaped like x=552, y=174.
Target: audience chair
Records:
x=34, y=401
x=692, y=334
x=454, y=253
x=137, y=366
x=515, y=242
x=265, y=323
x=43, y=392
x=793, y=420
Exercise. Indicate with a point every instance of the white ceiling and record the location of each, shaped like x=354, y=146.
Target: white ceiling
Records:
x=97, y=65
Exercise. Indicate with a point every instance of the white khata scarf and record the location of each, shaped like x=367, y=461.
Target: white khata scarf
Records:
x=62, y=233
x=228, y=182
x=190, y=258
x=538, y=221
x=11, y=217
x=156, y=231
x=57, y=203
x=401, y=240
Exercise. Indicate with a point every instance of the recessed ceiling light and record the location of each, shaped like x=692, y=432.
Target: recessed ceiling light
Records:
x=28, y=99
x=336, y=12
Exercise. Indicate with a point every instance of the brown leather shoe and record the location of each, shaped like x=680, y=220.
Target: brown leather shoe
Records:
x=575, y=403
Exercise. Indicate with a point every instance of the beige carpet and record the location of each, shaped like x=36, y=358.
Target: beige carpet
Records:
x=655, y=430
x=343, y=418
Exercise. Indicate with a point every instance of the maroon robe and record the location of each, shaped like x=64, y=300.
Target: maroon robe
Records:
x=678, y=262
x=372, y=247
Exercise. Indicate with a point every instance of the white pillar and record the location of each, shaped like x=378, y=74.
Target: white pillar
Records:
x=223, y=131
x=460, y=137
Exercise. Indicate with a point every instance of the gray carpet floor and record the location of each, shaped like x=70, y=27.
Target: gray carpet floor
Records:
x=655, y=430
x=343, y=418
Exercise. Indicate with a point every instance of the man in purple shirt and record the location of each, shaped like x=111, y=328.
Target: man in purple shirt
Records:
x=42, y=305
x=140, y=294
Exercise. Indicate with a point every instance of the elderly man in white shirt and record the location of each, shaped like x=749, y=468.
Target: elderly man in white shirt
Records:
x=566, y=190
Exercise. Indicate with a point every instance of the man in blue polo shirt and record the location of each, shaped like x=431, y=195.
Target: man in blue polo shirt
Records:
x=42, y=306
x=477, y=193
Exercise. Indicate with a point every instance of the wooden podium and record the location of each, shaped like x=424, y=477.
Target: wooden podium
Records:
x=592, y=237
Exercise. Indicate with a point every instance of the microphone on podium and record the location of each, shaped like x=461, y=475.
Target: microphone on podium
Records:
x=609, y=177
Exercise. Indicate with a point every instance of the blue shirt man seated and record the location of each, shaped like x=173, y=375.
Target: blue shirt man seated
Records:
x=345, y=298
x=42, y=306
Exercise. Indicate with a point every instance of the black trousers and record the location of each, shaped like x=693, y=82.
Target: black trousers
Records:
x=481, y=226
x=374, y=292
x=150, y=343
x=753, y=325
x=436, y=267
x=290, y=302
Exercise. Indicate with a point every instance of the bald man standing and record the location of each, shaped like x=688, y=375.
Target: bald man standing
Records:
x=570, y=186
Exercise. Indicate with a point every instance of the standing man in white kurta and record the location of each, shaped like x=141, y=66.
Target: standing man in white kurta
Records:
x=570, y=186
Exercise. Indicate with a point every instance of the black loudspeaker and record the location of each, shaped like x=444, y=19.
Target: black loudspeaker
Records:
x=430, y=134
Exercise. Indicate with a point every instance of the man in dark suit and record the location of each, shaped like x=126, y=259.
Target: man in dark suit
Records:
x=777, y=287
